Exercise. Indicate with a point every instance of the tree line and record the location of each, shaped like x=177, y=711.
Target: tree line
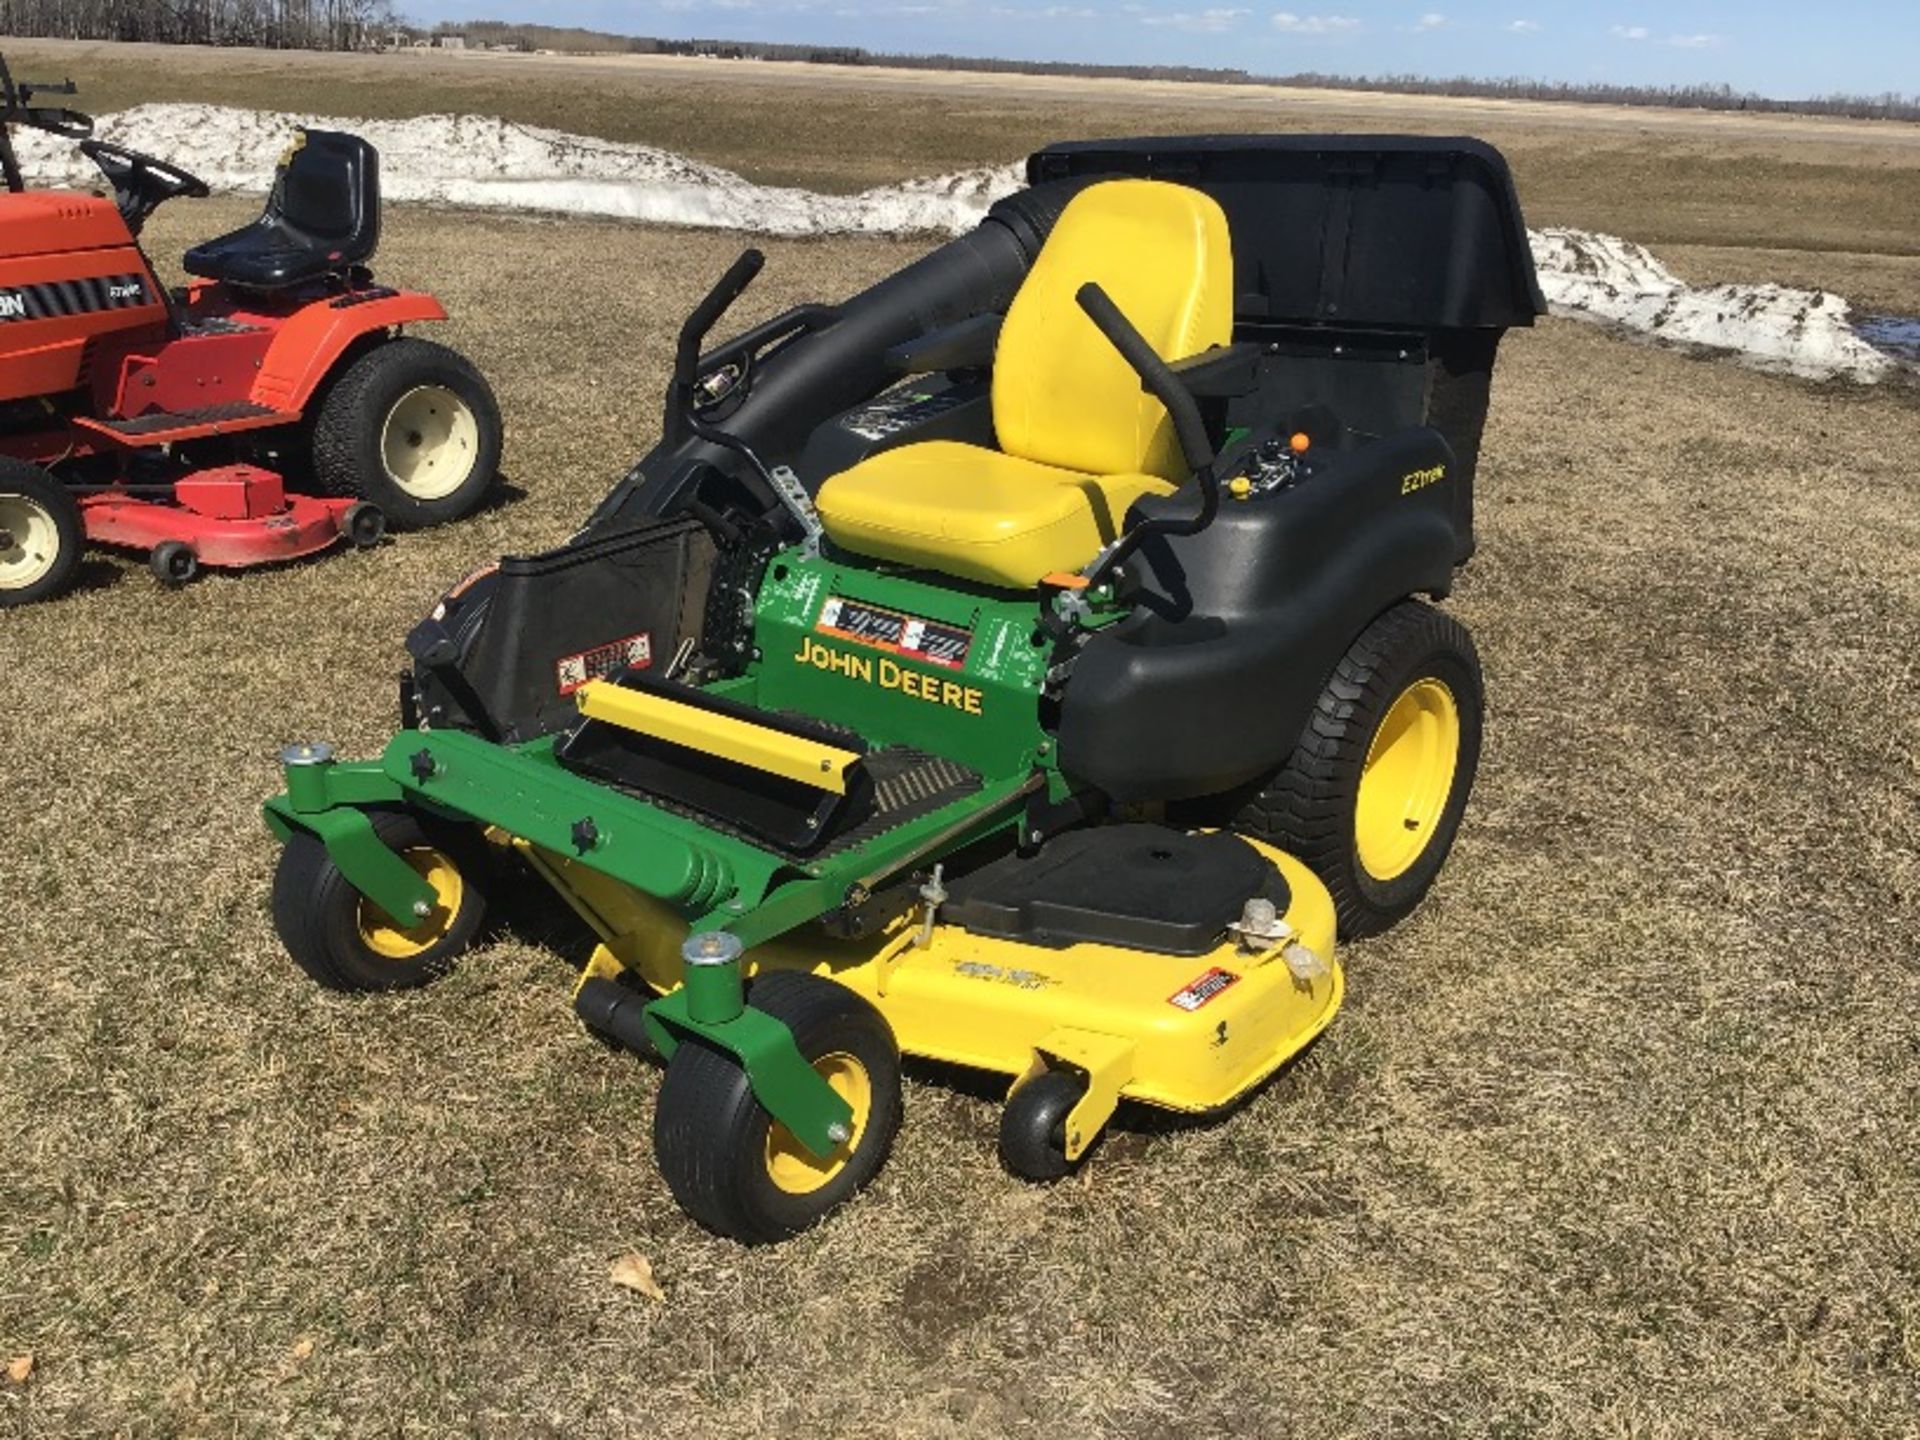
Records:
x=358, y=24
x=273, y=24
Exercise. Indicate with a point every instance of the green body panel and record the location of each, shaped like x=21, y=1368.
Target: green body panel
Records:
x=981, y=708
x=983, y=712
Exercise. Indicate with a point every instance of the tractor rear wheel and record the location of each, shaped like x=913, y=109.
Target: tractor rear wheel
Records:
x=346, y=942
x=41, y=535
x=411, y=426
x=1374, y=791
x=736, y=1169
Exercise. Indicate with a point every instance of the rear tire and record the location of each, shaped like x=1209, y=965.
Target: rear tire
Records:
x=346, y=942
x=411, y=426
x=41, y=534
x=734, y=1168
x=1375, y=789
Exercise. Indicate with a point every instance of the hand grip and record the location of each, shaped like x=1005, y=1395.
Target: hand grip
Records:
x=739, y=275
x=679, y=422
x=1159, y=380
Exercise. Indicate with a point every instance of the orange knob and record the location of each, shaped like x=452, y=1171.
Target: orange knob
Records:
x=1299, y=443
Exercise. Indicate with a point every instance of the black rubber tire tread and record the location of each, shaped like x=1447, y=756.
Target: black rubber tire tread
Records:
x=316, y=909
x=1307, y=807
x=709, y=1133
x=1033, y=1127
x=344, y=438
x=17, y=477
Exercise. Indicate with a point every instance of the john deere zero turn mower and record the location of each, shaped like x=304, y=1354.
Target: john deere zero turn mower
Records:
x=1022, y=664
x=269, y=409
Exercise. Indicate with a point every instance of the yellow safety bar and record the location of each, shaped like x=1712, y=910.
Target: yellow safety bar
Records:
x=777, y=753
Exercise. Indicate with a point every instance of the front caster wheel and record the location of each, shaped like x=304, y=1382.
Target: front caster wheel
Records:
x=364, y=525
x=1033, y=1127
x=346, y=942
x=41, y=534
x=737, y=1170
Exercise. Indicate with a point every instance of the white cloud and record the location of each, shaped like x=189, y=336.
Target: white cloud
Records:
x=1432, y=20
x=1314, y=24
x=1203, y=22
x=1630, y=32
x=1523, y=27
x=1693, y=42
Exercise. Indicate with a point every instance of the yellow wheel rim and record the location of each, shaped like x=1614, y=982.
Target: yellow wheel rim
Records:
x=29, y=542
x=1407, y=779
x=796, y=1169
x=388, y=939
x=430, y=442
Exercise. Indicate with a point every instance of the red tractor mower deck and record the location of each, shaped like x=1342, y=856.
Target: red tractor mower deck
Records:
x=267, y=410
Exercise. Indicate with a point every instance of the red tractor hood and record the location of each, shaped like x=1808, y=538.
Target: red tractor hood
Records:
x=48, y=222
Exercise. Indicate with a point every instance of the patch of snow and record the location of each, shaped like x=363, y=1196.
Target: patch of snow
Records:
x=493, y=163
x=1615, y=282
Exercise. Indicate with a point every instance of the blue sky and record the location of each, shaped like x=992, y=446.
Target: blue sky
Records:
x=1782, y=48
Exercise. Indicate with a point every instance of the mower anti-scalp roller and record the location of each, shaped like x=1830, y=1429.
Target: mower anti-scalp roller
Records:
x=1026, y=665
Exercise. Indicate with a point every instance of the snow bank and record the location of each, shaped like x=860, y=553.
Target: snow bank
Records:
x=493, y=163
x=1772, y=327
x=475, y=160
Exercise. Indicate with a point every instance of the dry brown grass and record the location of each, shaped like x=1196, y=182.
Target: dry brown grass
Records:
x=1615, y=1137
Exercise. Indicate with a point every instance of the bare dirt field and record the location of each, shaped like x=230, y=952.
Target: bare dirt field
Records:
x=1616, y=1137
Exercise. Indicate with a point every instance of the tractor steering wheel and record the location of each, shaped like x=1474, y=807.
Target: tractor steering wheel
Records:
x=141, y=182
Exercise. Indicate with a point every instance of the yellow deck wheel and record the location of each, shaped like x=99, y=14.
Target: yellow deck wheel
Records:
x=1407, y=778
x=794, y=1168
x=390, y=940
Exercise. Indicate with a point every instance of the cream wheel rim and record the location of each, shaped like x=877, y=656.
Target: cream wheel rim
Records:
x=430, y=442
x=29, y=542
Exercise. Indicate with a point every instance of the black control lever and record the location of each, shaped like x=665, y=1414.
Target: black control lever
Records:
x=1160, y=382
x=680, y=421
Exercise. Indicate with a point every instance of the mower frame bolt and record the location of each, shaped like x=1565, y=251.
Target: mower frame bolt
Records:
x=421, y=909
x=712, y=947
x=423, y=765
x=838, y=1133
x=316, y=752
x=584, y=834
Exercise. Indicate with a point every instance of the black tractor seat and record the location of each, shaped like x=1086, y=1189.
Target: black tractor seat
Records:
x=322, y=218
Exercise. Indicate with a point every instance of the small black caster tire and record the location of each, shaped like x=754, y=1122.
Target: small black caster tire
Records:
x=173, y=563
x=41, y=534
x=736, y=1170
x=346, y=942
x=1033, y=1127
x=411, y=426
x=364, y=525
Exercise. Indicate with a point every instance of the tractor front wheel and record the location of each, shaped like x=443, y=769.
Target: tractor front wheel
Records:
x=736, y=1169
x=414, y=428
x=346, y=942
x=1374, y=791
x=41, y=535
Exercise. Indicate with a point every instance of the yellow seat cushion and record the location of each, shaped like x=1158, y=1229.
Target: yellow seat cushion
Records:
x=1080, y=441
x=978, y=514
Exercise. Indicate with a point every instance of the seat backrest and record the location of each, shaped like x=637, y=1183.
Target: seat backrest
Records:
x=1062, y=395
x=328, y=188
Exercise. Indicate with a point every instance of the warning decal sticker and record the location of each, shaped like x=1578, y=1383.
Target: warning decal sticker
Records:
x=633, y=653
x=1202, y=989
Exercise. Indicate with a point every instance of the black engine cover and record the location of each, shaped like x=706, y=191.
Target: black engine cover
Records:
x=1141, y=887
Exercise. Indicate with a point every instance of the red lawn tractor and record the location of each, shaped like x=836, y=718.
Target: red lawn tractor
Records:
x=265, y=411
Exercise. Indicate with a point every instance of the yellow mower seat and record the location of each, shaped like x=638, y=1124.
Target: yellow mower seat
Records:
x=1080, y=441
